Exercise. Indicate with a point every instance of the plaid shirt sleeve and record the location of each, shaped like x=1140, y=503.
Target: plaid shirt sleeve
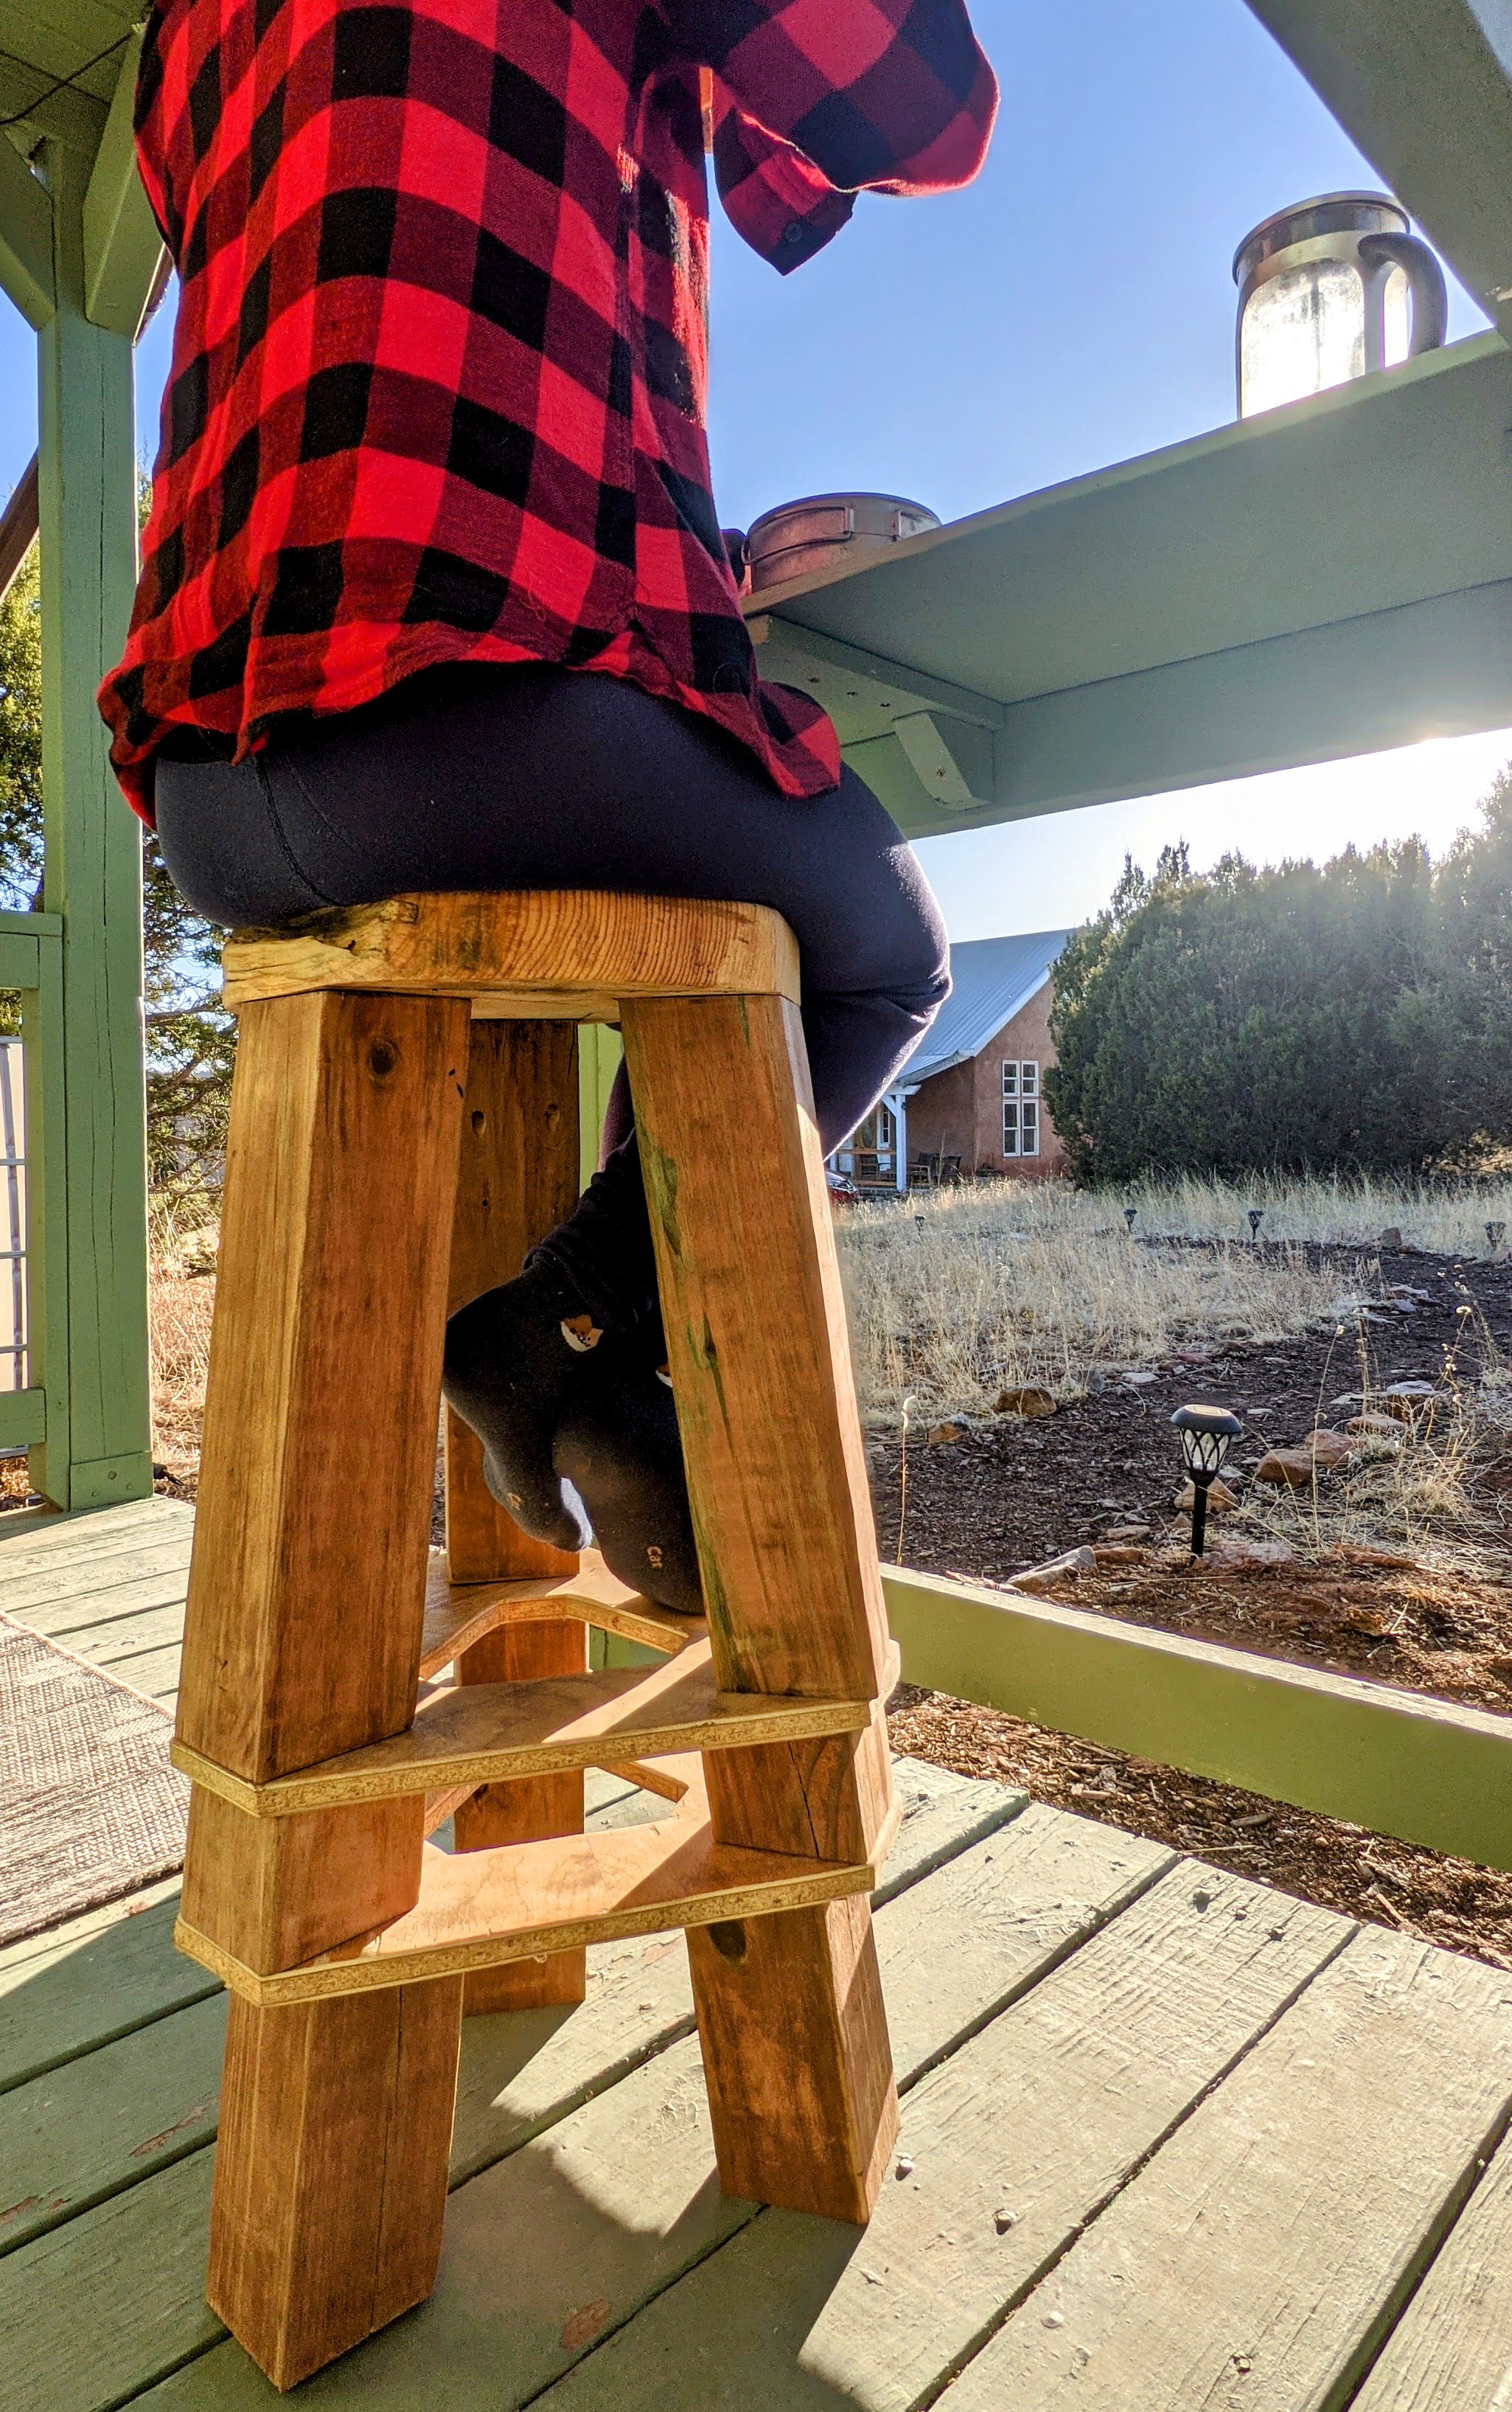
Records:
x=815, y=100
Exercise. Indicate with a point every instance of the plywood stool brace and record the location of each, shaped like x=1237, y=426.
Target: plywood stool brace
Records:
x=403, y=1127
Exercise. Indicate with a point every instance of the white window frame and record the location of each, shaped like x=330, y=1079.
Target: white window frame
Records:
x=1020, y=1107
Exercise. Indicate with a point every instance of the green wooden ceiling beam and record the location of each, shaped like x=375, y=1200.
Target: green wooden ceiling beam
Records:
x=1329, y=579
x=1424, y=88
x=25, y=238
x=122, y=245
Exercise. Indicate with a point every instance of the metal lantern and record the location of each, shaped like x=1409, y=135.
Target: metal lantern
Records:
x=1329, y=291
x=1207, y=1436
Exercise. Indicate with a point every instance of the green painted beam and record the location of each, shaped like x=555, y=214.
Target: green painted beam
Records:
x=1328, y=579
x=1424, y=88
x=1427, y=1770
x=23, y=1418
x=122, y=245
x=25, y=238
x=1440, y=669
x=599, y=1054
x=42, y=42
x=90, y=1280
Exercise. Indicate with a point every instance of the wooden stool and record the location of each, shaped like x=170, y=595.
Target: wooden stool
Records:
x=380, y=1048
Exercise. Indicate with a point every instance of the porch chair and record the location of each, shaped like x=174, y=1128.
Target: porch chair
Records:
x=403, y=1127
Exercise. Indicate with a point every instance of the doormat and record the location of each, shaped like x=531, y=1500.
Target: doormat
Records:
x=90, y=1808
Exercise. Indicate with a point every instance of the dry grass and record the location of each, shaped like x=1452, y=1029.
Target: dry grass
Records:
x=181, y=1297
x=1447, y=1220
x=957, y=1294
x=1440, y=1491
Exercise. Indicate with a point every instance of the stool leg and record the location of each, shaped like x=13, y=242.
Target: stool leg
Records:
x=789, y=2007
x=335, y=2120
x=517, y=1179
x=302, y=1639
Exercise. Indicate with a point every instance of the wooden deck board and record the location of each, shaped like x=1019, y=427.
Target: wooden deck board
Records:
x=1453, y=2344
x=65, y=1610
x=1273, y=2240
x=1044, y=2112
x=66, y=1993
x=94, y=2313
x=1189, y=2148
x=608, y=2208
x=97, y=2124
x=149, y=1526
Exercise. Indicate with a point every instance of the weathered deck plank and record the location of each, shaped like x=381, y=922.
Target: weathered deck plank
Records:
x=72, y=1610
x=521, y=2072
x=65, y=1993
x=1273, y=2240
x=94, y=2312
x=154, y=1672
x=607, y=2208
x=1301, y=2186
x=1044, y=2114
x=1453, y=2343
x=105, y=2122
x=90, y=1538
x=142, y=1615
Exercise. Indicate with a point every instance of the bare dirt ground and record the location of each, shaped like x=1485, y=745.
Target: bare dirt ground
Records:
x=1433, y=1616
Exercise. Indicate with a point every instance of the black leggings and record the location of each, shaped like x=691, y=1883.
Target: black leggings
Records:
x=536, y=778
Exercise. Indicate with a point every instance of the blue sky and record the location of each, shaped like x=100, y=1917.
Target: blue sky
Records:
x=1074, y=306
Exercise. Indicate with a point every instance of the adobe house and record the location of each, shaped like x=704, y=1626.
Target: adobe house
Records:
x=970, y=1099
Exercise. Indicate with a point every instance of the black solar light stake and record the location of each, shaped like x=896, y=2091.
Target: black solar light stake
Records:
x=1129, y=1214
x=1206, y=1434
x=1496, y=1233
x=1254, y=1216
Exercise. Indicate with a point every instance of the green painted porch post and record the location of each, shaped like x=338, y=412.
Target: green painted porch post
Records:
x=90, y=1303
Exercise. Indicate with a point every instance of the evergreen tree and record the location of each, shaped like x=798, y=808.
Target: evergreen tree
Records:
x=1354, y=1016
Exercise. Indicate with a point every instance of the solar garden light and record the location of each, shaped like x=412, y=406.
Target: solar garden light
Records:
x=1496, y=1233
x=1129, y=1214
x=1206, y=1434
x=1253, y=1215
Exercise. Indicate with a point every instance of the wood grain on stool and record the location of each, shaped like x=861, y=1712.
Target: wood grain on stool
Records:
x=760, y=1363
x=328, y=2217
x=303, y=1636
x=518, y=1175
x=307, y=1581
x=569, y=954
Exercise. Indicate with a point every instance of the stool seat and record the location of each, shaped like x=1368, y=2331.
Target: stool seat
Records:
x=546, y=954
x=405, y=1129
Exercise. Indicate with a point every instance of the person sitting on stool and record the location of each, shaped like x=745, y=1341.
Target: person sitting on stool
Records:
x=433, y=594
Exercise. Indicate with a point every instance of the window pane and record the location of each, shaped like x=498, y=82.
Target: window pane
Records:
x=1010, y=1129
x=1010, y=1080
x=1031, y=1130
x=1028, y=1074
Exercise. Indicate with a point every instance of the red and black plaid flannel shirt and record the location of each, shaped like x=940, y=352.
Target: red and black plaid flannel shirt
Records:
x=438, y=376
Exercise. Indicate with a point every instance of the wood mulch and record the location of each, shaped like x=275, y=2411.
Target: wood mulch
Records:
x=1011, y=1495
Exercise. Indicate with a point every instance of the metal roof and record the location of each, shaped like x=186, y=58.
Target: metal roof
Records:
x=992, y=979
